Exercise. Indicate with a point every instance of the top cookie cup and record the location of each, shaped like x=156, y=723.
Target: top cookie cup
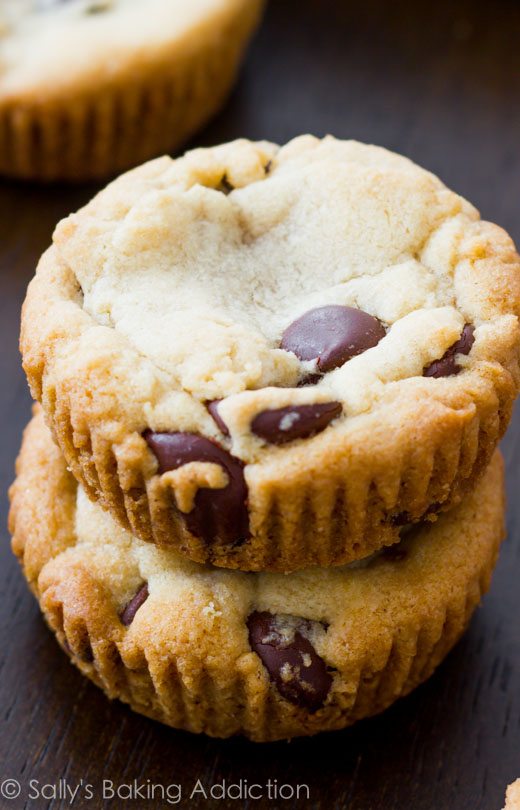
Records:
x=272, y=358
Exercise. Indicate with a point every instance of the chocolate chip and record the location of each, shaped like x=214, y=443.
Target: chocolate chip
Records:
x=218, y=514
x=294, y=666
x=311, y=379
x=281, y=425
x=332, y=335
x=213, y=410
x=225, y=186
x=127, y=615
x=447, y=366
x=98, y=6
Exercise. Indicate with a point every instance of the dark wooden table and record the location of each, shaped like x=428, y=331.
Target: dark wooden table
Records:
x=441, y=83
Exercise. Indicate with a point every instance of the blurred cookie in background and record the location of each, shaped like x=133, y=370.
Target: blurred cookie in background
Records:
x=91, y=87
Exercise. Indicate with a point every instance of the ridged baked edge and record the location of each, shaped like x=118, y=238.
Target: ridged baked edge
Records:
x=194, y=703
x=101, y=131
x=193, y=695
x=323, y=519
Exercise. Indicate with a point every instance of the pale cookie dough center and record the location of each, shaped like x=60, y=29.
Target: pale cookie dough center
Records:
x=203, y=283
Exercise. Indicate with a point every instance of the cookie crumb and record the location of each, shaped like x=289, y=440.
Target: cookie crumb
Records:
x=210, y=610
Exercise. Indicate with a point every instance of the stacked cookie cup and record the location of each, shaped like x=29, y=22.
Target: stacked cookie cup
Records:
x=261, y=494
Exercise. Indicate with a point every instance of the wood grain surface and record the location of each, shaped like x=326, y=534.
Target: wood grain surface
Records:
x=441, y=83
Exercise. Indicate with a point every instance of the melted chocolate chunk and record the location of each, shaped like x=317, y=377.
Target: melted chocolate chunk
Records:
x=128, y=613
x=97, y=7
x=213, y=410
x=281, y=425
x=332, y=335
x=219, y=514
x=294, y=666
x=225, y=186
x=447, y=366
x=311, y=379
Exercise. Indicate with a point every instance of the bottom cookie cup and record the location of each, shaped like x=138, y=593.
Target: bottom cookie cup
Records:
x=270, y=656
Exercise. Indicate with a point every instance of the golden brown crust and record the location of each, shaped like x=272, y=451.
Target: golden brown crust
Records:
x=186, y=660
x=111, y=120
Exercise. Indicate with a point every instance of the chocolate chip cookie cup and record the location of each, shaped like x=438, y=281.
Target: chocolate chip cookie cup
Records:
x=268, y=656
x=271, y=358
x=91, y=87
